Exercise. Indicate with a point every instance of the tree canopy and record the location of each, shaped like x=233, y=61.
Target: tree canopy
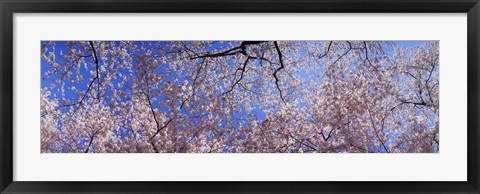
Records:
x=239, y=96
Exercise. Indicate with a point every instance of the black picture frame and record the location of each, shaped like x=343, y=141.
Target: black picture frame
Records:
x=9, y=7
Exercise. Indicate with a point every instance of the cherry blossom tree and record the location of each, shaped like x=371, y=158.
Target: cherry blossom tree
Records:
x=239, y=97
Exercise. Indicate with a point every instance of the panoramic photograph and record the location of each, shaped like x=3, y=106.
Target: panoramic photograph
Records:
x=273, y=96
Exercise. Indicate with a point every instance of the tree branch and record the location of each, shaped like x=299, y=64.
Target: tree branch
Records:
x=296, y=140
x=326, y=52
x=96, y=68
x=91, y=140
x=96, y=78
x=345, y=53
x=408, y=102
x=241, y=75
x=278, y=69
x=232, y=51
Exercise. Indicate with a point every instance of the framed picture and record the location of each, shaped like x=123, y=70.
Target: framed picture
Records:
x=239, y=96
